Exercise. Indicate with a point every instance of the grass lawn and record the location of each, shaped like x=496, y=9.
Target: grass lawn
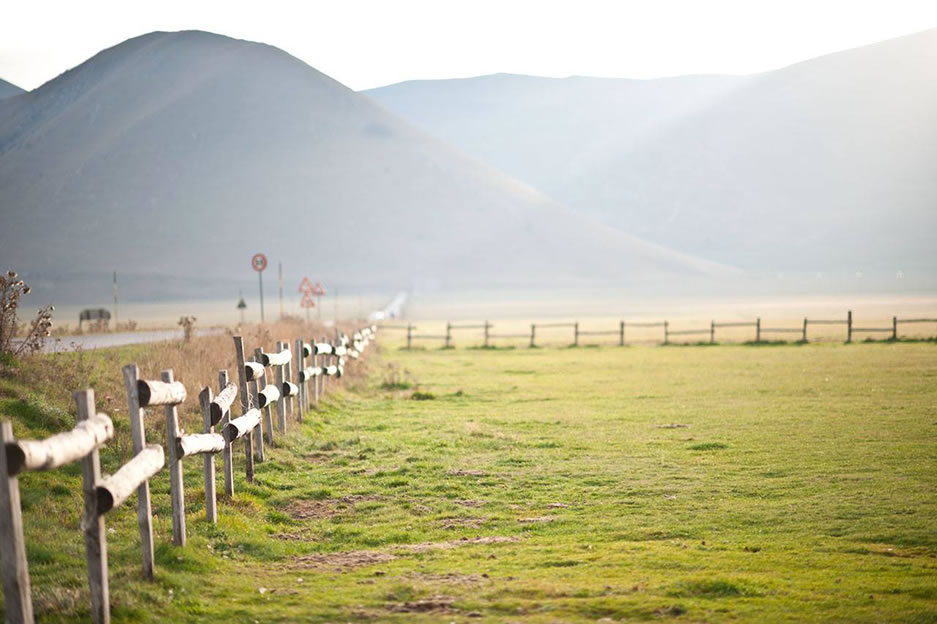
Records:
x=781, y=483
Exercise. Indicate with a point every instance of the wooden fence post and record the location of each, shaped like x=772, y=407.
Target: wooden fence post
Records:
x=228, y=454
x=315, y=380
x=245, y=406
x=533, y=333
x=621, y=334
x=486, y=333
x=758, y=329
x=288, y=379
x=409, y=334
x=666, y=332
x=576, y=334
x=300, y=367
x=211, y=512
x=267, y=409
x=712, y=332
x=16, y=592
x=849, y=326
x=804, y=336
x=448, y=334
x=138, y=437
x=894, y=328
x=176, y=492
x=281, y=402
x=92, y=523
x=326, y=358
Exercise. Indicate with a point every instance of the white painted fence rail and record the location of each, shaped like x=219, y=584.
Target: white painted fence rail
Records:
x=60, y=449
x=115, y=489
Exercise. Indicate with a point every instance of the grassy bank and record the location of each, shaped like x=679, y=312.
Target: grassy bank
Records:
x=791, y=483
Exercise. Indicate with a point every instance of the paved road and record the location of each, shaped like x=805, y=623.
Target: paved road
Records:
x=101, y=341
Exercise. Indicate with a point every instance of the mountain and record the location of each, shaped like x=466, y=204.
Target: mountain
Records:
x=826, y=165
x=7, y=89
x=180, y=155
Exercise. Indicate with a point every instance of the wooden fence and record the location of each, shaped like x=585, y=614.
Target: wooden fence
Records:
x=290, y=393
x=759, y=332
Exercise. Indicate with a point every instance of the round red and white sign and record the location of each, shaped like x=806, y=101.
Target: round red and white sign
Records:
x=259, y=262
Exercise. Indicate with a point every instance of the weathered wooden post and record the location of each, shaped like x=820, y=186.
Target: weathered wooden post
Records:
x=316, y=381
x=409, y=334
x=287, y=379
x=804, y=335
x=138, y=438
x=264, y=396
x=576, y=334
x=849, y=326
x=176, y=493
x=211, y=511
x=281, y=402
x=712, y=332
x=16, y=591
x=487, y=327
x=666, y=332
x=245, y=407
x=300, y=367
x=621, y=334
x=758, y=330
x=894, y=328
x=93, y=523
x=448, y=334
x=533, y=333
x=227, y=454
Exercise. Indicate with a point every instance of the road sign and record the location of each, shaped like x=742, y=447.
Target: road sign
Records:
x=307, y=302
x=306, y=286
x=259, y=263
x=318, y=289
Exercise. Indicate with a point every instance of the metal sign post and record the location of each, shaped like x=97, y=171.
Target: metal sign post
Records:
x=259, y=263
x=308, y=290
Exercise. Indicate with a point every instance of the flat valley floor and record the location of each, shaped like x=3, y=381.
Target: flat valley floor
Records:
x=693, y=484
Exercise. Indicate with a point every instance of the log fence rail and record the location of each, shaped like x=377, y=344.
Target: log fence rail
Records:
x=102, y=494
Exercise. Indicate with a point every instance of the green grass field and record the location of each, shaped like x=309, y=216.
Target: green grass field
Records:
x=733, y=483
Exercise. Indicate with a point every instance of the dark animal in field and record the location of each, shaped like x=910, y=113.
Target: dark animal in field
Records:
x=93, y=314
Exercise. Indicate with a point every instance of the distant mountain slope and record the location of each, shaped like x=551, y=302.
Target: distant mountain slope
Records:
x=825, y=165
x=185, y=153
x=7, y=89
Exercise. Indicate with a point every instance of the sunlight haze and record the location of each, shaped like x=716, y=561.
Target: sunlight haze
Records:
x=365, y=44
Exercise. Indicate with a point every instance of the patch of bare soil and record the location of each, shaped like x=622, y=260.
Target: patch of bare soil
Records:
x=458, y=522
x=318, y=458
x=450, y=578
x=436, y=604
x=673, y=426
x=343, y=561
x=558, y=505
x=465, y=541
x=467, y=473
x=537, y=520
x=302, y=509
x=299, y=536
x=469, y=503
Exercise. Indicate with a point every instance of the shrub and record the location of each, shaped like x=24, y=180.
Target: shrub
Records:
x=12, y=290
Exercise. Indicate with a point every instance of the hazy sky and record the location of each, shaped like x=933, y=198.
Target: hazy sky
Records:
x=367, y=43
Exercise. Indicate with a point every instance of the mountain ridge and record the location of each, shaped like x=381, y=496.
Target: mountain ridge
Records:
x=686, y=168
x=188, y=152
